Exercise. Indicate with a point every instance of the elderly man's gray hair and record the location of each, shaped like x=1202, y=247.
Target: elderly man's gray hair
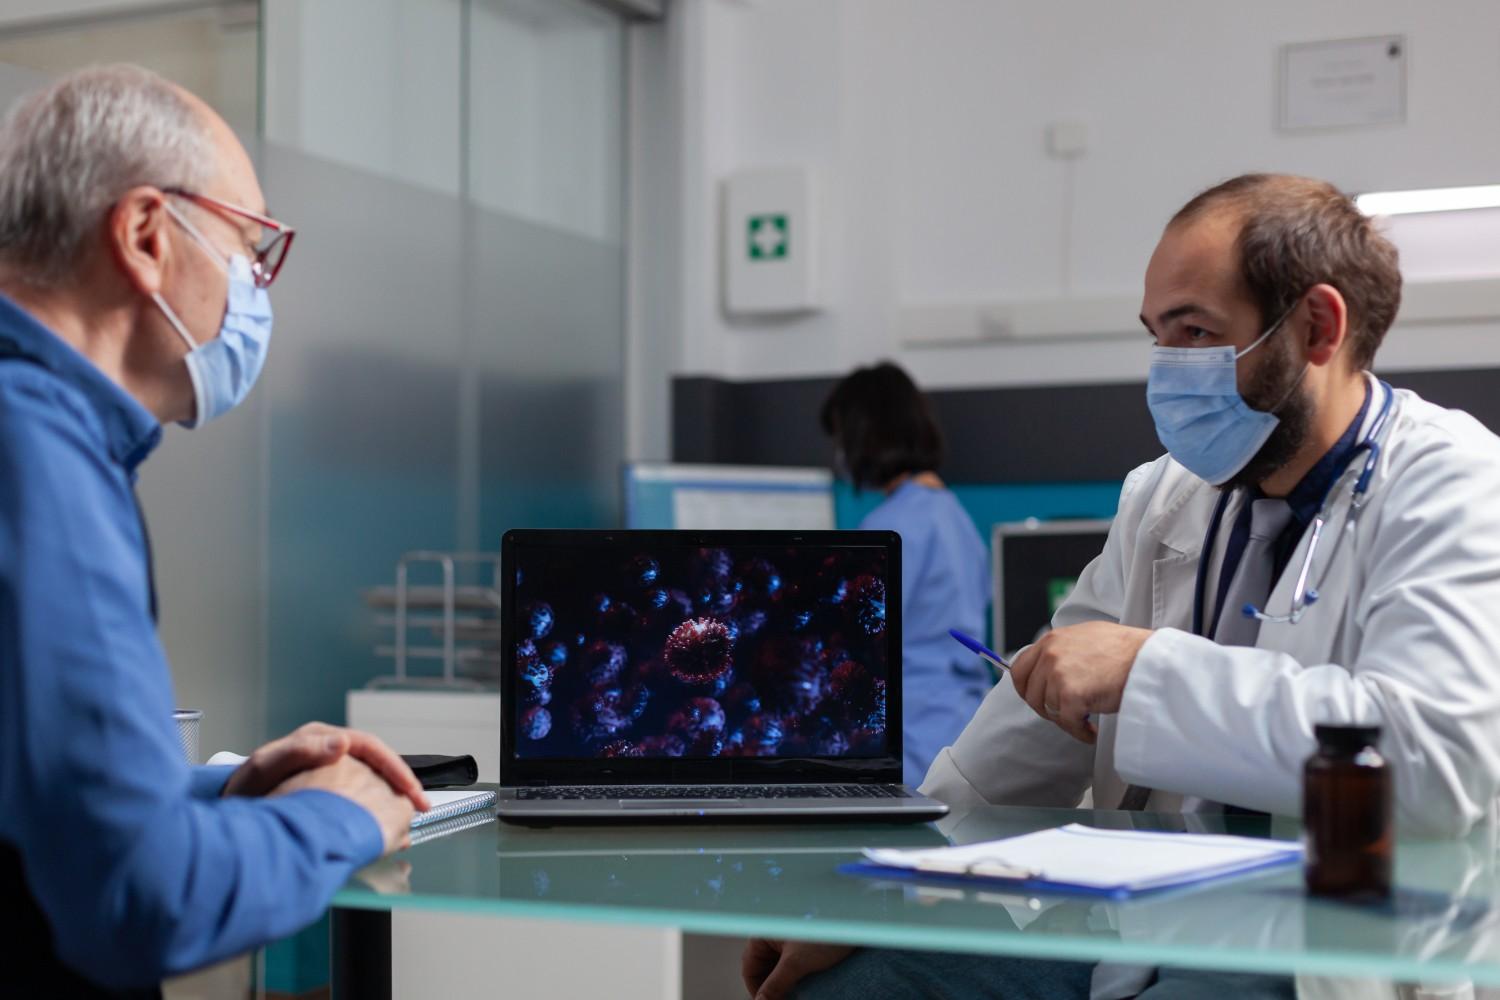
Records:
x=71, y=150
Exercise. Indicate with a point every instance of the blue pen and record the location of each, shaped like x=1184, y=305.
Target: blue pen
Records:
x=984, y=652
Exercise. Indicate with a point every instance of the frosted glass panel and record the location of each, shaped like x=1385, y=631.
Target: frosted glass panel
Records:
x=441, y=373
x=550, y=350
x=361, y=379
x=371, y=84
x=546, y=113
x=211, y=51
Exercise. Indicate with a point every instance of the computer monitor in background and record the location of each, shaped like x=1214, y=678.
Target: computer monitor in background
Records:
x=1036, y=564
x=663, y=495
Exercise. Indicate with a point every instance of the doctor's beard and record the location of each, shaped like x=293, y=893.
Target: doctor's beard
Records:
x=1276, y=381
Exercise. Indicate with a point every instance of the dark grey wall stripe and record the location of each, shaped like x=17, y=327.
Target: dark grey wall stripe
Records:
x=1030, y=434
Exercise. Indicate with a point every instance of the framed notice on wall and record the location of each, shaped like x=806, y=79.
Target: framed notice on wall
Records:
x=1342, y=84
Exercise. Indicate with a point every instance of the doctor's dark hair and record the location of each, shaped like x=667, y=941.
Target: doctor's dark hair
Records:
x=883, y=424
x=1298, y=232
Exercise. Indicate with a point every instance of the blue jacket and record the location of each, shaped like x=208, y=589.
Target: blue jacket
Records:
x=139, y=867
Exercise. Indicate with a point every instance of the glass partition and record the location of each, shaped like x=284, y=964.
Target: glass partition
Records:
x=211, y=48
x=449, y=335
x=448, y=353
x=450, y=325
x=546, y=122
x=375, y=85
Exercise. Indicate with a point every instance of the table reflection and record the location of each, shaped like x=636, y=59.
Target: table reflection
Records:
x=784, y=880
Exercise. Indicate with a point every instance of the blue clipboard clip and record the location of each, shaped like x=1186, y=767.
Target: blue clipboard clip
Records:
x=1021, y=882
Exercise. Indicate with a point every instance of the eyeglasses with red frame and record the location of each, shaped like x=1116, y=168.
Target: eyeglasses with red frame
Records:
x=271, y=253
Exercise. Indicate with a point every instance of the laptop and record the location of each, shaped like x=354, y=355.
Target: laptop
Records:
x=702, y=675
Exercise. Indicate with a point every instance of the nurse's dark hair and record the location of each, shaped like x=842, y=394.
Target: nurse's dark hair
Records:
x=1298, y=232
x=883, y=424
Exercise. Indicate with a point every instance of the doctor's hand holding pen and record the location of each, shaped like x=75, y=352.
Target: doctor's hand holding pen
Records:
x=1073, y=673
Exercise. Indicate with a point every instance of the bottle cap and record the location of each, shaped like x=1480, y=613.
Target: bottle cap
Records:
x=1346, y=738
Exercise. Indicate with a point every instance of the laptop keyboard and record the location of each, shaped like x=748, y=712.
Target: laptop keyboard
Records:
x=613, y=792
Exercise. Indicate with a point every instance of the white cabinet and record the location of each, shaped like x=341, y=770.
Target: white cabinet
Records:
x=444, y=722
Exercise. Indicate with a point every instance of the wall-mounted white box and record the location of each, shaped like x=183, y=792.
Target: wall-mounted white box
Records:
x=768, y=242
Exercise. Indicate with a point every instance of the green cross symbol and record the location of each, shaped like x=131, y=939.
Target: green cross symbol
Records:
x=767, y=237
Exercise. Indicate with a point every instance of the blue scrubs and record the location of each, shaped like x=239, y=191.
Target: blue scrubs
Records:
x=945, y=583
x=136, y=863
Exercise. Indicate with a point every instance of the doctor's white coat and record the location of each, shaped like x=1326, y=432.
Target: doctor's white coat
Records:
x=1406, y=632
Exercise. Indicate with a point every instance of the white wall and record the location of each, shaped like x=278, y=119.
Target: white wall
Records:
x=926, y=120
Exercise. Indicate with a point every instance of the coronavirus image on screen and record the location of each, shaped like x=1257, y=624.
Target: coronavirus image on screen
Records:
x=692, y=652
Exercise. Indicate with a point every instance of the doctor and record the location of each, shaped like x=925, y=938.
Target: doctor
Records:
x=1190, y=639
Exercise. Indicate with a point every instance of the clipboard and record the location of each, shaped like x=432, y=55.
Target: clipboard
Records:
x=1065, y=861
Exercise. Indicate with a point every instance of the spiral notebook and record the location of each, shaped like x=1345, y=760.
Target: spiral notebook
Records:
x=448, y=805
x=457, y=824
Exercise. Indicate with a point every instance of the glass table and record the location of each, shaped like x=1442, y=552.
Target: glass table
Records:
x=782, y=882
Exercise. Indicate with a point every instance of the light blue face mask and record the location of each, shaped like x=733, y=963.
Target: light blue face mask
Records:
x=225, y=368
x=1201, y=418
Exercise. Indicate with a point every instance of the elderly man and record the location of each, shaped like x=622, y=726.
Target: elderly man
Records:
x=1189, y=666
x=134, y=259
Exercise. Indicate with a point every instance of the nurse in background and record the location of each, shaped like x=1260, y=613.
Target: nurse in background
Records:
x=886, y=439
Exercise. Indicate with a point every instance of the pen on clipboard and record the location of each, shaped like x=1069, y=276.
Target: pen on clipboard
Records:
x=984, y=652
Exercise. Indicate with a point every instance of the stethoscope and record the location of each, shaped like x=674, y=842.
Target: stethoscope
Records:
x=1304, y=595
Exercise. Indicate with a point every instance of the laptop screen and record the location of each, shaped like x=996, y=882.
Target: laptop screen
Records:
x=683, y=646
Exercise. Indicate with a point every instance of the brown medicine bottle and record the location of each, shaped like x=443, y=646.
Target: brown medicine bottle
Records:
x=1347, y=804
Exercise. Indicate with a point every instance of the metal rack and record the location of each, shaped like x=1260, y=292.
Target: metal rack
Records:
x=458, y=624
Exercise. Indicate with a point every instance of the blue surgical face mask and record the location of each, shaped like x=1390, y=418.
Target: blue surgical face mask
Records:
x=1201, y=418
x=225, y=368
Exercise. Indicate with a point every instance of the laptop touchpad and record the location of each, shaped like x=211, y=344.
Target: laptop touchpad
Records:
x=681, y=804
